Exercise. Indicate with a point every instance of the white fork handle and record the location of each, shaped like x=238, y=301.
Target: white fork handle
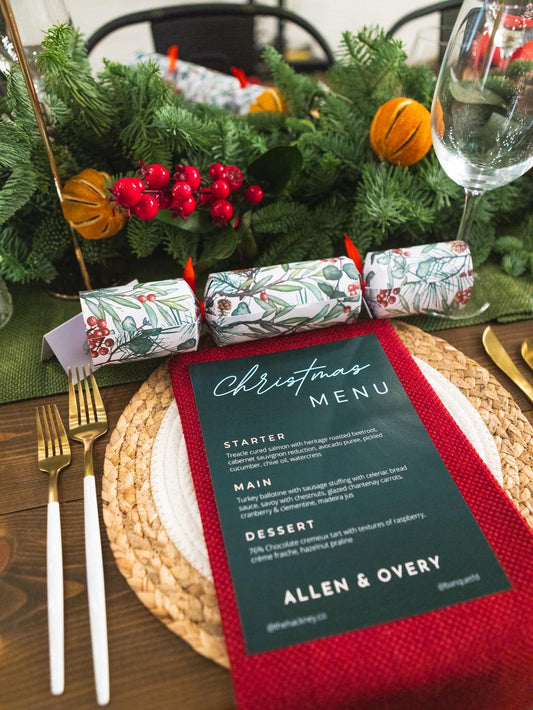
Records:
x=96, y=591
x=54, y=587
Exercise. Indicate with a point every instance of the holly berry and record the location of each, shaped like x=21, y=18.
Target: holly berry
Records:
x=156, y=176
x=146, y=208
x=102, y=323
x=142, y=298
x=263, y=296
x=216, y=171
x=220, y=189
x=185, y=207
x=221, y=211
x=181, y=191
x=91, y=320
x=190, y=174
x=103, y=351
x=151, y=297
x=128, y=191
x=109, y=342
x=233, y=176
x=254, y=194
x=164, y=199
x=94, y=353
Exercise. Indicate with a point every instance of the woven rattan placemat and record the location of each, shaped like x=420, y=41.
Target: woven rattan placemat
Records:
x=173, y=590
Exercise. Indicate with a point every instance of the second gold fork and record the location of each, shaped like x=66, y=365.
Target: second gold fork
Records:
x=88, y=421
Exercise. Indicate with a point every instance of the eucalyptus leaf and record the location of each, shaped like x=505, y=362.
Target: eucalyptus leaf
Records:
x=350, y=270
x=332, y=273
x=129, y=324
x=471, y=92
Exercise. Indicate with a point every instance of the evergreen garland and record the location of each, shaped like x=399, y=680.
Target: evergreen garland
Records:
x=128, y=114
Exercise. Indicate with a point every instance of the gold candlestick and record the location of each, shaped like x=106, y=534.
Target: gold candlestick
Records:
x=12, y=31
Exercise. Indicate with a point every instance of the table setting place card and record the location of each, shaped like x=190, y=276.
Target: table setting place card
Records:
x=362, y=553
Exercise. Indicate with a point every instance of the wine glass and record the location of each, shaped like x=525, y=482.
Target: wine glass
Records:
x=482, y=112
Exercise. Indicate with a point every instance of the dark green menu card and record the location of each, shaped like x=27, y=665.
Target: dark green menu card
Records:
x=336, y=509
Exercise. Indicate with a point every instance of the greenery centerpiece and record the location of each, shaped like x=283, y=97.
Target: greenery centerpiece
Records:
x=313, y=160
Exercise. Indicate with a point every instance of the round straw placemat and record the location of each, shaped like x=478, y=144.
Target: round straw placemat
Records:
x=172, y=589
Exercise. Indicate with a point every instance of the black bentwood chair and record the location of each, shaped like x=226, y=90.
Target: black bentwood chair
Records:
x=449, y=9
x=220, y=35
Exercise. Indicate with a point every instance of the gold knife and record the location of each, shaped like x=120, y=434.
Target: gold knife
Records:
x=499, y=356
x=527, y=352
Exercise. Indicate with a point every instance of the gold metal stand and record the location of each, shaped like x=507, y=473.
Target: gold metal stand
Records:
x=12, y=30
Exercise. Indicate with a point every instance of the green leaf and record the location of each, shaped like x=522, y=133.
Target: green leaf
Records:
x=163, y=313
x=140, y=345
x=199, y=221
x=471, y=92
x=284, y=287
x=332, y=273
x=220, y=246
x=274, y=169
x=151, y=314
x=129, y=324
x=122, y=301
x=326, y=288
x=422, y=269
x=173, y=303
x=241, y=310
x=350, y=270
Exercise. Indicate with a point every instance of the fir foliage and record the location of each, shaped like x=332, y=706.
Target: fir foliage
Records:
x=128, y=114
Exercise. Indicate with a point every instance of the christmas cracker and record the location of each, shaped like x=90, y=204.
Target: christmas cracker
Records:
x=430, y=278
x=263, y=302
x=140, y=321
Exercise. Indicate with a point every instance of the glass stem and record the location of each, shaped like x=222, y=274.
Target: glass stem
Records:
x=472, y=198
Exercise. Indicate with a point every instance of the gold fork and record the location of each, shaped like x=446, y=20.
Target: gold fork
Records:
x=88, y=421
x=53, y=455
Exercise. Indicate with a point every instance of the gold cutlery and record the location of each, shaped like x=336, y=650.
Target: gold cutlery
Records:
x=88, y=421
x=527, y=352
x=499, y=356
x=53, y=455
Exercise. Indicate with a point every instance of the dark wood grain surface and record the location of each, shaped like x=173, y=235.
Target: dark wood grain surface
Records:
x=150, y=667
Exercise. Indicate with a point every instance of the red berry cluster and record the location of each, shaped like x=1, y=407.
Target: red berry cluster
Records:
x=144, y=196
x=462, y=297
x=97, y=332
x=387, y=296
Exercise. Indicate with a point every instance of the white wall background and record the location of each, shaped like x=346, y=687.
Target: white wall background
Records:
x=331, y=18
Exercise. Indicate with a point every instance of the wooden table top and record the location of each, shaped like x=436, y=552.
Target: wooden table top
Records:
x=150, y=666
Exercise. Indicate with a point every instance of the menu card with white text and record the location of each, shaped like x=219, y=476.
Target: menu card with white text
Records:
x=336, y=508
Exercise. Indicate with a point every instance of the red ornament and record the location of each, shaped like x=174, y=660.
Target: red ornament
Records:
x=190, y=174
x=128, y=191
x=216, y=171
x=221, y=211
x=146, y=208
x=181, y=191
x=220, y=189
x=233, y=176
x=254, y=194
x=156, y=176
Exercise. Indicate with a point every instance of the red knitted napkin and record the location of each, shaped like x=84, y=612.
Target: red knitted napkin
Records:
x=476, y=655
